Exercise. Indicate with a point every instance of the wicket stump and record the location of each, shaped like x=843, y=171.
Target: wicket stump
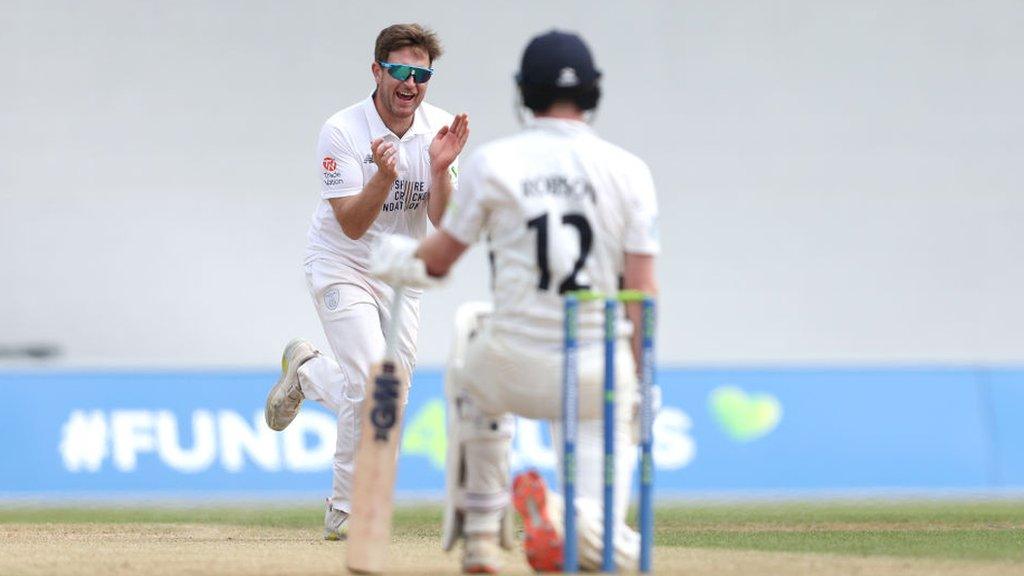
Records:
x=570, y=422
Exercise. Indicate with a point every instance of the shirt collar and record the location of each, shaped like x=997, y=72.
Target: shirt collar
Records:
x=378, y=129
x=560, y=125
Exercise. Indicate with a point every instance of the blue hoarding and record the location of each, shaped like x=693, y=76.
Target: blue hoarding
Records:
x=1003, y=391
x=721, y=430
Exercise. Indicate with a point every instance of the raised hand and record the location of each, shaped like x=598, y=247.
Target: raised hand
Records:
x=385, y=156
x=448, y=143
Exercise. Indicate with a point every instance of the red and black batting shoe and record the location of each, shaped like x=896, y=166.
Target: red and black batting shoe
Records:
x=543, y=543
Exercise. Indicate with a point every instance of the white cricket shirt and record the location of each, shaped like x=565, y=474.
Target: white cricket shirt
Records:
x=346, y=164
x=559, y=207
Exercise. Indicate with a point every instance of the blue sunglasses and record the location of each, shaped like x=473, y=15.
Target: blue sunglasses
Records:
x=401, y=72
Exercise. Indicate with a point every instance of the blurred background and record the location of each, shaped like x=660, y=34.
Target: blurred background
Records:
x=841, y=200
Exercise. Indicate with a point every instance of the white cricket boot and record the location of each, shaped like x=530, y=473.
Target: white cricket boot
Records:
x=335, y=527
x=481, y=554
x=286, y=396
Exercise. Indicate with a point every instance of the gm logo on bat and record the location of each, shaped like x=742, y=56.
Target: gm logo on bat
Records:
x=385, y=403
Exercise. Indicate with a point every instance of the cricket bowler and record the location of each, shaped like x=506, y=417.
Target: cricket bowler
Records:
x=388, y=164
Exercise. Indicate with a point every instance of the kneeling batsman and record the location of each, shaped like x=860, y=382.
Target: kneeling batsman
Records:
x=480, y=429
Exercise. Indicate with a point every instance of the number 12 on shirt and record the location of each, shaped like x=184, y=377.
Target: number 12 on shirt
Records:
x=586, y=238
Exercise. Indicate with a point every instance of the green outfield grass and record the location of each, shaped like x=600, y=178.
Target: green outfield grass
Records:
x=947, y=530
x=989, y=530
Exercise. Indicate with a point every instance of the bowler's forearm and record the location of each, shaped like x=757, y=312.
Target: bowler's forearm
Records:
x=357, y=213
x=440, y=192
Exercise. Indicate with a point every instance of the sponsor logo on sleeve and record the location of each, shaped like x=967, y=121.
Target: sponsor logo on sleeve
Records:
x=331, y=175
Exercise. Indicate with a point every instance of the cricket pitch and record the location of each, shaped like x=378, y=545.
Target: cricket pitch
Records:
x=696, y=541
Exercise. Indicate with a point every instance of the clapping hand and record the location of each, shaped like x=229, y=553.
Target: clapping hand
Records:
x=448, y=143
x=385, y=156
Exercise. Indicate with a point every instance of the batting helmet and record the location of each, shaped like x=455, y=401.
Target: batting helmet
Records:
x=558, y=66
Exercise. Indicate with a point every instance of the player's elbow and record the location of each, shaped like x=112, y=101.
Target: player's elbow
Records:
x=352, y=231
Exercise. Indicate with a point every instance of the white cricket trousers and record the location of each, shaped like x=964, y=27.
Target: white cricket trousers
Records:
x=508, y=373
x=355, y=312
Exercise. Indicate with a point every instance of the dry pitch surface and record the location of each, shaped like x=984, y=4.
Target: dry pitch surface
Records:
x=965, y=538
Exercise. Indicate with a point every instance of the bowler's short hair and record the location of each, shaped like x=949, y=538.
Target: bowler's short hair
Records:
x=398, y=36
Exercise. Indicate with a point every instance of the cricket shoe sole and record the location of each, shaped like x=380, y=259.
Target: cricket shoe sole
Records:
x=285, y=398
x=542, y=541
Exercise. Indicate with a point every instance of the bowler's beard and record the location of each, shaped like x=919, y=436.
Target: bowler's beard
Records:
x=389, y=102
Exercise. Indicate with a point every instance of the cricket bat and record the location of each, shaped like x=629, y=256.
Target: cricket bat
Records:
x=373, y=487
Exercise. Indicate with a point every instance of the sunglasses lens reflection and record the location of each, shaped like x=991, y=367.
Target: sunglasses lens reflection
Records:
x=401, y=72
x=422, y=75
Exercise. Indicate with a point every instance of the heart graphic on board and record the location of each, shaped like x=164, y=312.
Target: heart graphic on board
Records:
x=744, y=417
